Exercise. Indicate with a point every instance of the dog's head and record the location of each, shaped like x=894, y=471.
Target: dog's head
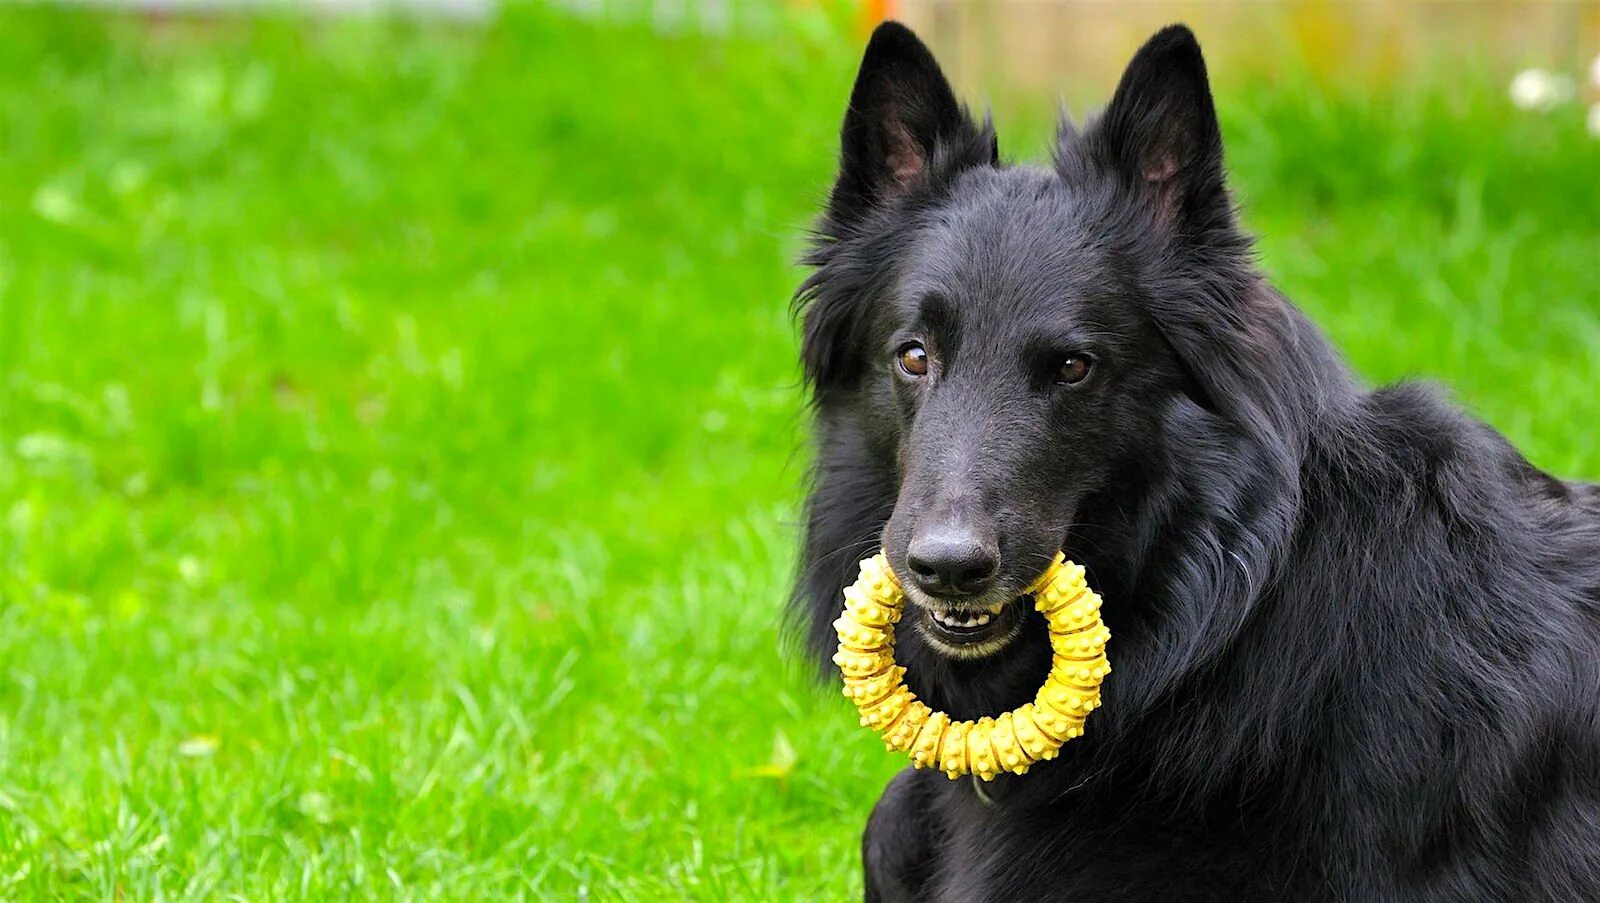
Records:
x=994, y=348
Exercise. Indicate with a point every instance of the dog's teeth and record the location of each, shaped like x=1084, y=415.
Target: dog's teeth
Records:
x=966, y=619
x=995, y=608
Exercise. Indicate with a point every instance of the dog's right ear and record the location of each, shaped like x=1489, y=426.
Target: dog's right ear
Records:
x=903, y=128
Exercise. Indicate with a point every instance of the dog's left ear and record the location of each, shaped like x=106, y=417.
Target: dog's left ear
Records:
x=1160, y=133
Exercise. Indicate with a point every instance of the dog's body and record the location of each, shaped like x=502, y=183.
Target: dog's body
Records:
x=1356, y=636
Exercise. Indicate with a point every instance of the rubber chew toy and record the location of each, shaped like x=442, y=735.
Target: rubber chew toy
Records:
x=1011, y=742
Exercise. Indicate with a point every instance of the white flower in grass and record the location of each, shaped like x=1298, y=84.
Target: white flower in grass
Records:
x=1594, y=120
x=1536, y=89
x=190, y=569
x=199, y=746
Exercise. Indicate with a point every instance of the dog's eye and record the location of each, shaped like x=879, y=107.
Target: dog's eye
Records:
x=913, y=359
x=1074, y=370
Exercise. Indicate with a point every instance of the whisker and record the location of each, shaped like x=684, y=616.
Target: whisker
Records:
x=831, y=557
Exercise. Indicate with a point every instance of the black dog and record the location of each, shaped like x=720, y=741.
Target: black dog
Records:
x=1356, y=635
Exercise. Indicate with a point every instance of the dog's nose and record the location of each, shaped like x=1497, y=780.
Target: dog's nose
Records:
x=952, y=561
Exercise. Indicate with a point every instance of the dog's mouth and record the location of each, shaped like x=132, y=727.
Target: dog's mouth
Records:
x=967, y=631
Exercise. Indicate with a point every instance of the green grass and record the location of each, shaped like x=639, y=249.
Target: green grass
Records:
x=400, y=441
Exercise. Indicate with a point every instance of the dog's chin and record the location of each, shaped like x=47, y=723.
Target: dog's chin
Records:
x=968, y=630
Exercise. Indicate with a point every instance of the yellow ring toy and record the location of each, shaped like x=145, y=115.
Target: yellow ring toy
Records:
x=1015, y=740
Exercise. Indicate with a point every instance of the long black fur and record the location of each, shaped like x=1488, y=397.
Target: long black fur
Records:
x=1356, y=635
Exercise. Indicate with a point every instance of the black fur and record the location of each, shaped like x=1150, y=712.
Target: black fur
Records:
x=1354, y=632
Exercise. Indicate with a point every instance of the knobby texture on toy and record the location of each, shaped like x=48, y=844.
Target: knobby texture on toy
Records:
x=1010, y=742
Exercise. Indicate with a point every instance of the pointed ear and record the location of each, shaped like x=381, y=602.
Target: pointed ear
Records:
x=903, y=128
x=1160, y=132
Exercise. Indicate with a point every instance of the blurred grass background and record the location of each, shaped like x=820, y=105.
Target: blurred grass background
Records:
x=400, y=439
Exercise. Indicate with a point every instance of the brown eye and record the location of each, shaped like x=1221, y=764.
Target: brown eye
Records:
x=1074, y=369
x=913, y=359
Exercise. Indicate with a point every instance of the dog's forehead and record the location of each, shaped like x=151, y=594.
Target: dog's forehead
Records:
x=1018, y=240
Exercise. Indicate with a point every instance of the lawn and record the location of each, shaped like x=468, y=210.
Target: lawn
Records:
x=400, y=440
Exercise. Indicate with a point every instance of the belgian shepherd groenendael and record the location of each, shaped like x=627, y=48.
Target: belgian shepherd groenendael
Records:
x=1356, y=635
